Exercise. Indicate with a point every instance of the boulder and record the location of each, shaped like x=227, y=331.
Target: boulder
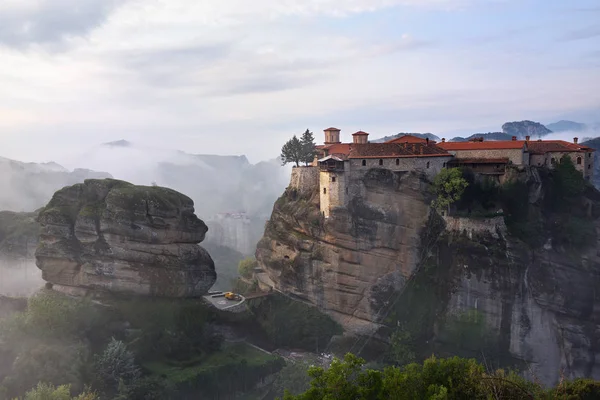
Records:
x=110, y=235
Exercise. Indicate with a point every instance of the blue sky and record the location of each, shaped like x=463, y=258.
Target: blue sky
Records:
x=238, y=77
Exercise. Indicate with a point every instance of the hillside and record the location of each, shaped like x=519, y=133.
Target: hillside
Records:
x=28, y=186
x=567, y=126
x=485, y=136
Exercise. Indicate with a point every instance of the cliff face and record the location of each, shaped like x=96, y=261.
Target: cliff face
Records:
x=455, y=285
x=114, y=236
x=349, y=262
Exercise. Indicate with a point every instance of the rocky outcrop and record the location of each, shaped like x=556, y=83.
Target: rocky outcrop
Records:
x=347, y=264
x=457, y=286
x=521, y=129
x=109, y=235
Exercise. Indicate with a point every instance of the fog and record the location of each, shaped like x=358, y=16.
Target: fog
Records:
x=19, y=278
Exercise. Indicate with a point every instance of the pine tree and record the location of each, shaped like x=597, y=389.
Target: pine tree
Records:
x=292, y=151
x=308, y=147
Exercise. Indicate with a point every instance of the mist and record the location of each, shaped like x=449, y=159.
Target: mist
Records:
x=19, y=278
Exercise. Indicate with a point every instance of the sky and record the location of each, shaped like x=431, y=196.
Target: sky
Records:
x=241, y=77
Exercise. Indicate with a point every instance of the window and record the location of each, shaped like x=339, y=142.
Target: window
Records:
x=324, y=190
x=589, y=166
x=397, y=161
x=552, y=161
x=427, y=164
x=364, y=163
x=333, y=179
x=579, y=160
x=346, y=190
x=444, y=165
x=380, y=161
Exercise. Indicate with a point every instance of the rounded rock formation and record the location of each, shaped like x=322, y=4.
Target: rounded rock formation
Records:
x=110, y=235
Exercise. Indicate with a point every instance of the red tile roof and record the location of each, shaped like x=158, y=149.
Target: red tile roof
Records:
x=479, y=161
x=407, y=138
x=360, y=133
x=490, y=145
x=337, y=148
x=396, y=150
x=556, y=146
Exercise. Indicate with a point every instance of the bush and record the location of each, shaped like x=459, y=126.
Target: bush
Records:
x=580, y=389
x=45, y=391
x=294, y=324
x=58, y=364
x=293, y=378
x=116, y=365
x=246, y=267
x=169, y=328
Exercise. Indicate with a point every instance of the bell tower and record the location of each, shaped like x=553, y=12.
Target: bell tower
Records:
x=332, y=136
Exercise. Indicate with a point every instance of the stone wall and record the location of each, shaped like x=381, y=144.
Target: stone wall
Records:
x=516, y=156
x=586, y=167
x=304, y=179
x=332, y=187
x=431, y=166
x=495, y=226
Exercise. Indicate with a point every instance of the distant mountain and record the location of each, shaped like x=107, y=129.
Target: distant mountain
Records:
x=485, y=136
x=29, y=186
x=429, y=136
x=564, y=126
x=216, y=183
x=520, y=129
x=118, y=143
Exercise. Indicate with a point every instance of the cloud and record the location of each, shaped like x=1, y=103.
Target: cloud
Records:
x=581, y=34
x=26, y=22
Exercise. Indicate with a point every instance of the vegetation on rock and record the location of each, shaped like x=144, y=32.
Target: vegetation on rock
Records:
x=247, y=266
x=299, y=150
x=434, y=379
x=294, y=324
x=449, y=186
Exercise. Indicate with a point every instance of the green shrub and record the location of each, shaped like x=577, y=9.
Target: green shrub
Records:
x=56, y=363
x=45, y=391
x=294, y=324
x=169, y=328
x=247, y=266
x=116, y=365
x=580, y=389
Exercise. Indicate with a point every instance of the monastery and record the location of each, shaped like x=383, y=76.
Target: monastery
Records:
x=340, y=164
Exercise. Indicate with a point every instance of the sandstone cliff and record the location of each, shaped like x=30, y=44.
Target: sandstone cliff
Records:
x=454, y=286
x=343, y=264
x=111, y=235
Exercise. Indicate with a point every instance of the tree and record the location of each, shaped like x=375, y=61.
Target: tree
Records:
x=45, y=391
x=449, y=186
x=116, y=365
x=246, y=267
x=292, y=151
x=401, y=347
x=308, y=147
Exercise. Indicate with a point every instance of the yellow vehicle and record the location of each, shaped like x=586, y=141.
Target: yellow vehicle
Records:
x=232, y=296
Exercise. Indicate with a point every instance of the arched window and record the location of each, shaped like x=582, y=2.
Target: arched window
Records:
x=324, y=190
x=427, y=164
x=579, y=160
x=364, y=163
x=380, y=161
x=397, y=161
